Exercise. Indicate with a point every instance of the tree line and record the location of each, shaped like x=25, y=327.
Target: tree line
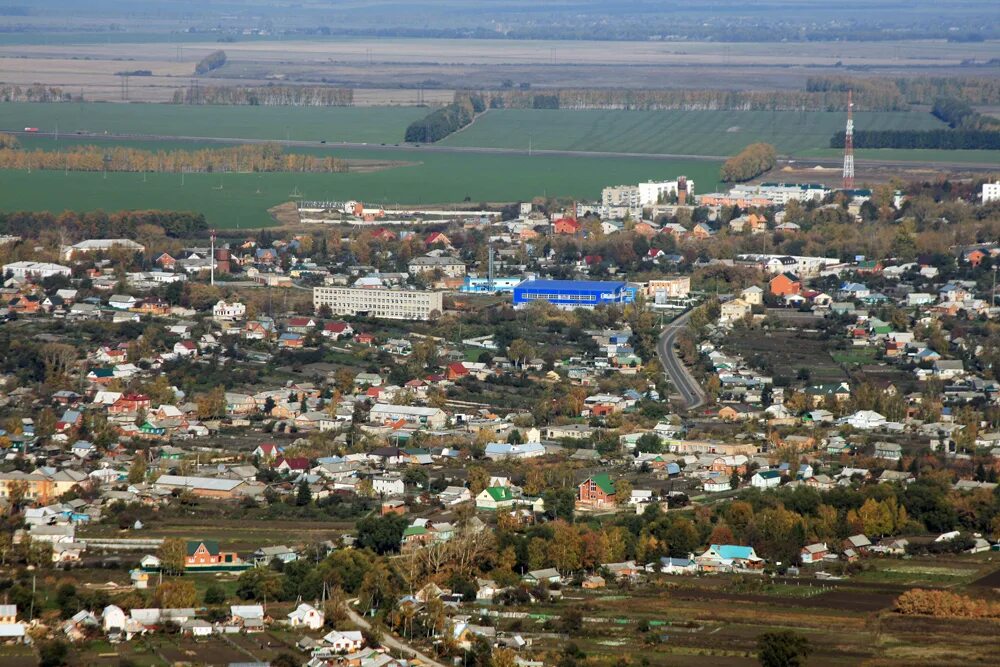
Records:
x=749, y=163
x=35, y=93
x=943, y=139
x=99, y=224
x=960, y=115
x=451, y=118
x=266, y=96
x=247, y=158
x=212, y=61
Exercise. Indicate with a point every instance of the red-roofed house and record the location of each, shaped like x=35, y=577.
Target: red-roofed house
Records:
x=185, y=348
x=267, y=451
x=785, y=284
x=300, y=325
x=364, y=339
x=130, y=403
x=337, y=330
x=456, y=371
x=566, y=226
x=294, y=464
x=438, y=238
x=383, y=234
x=165, y=261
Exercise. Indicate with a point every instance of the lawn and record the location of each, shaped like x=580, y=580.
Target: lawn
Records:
x=242, y=200
x=351, y=124
x=677, y=132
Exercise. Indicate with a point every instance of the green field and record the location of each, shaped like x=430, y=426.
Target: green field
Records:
x=242, y=200
x=352, y=124
x=677, y=132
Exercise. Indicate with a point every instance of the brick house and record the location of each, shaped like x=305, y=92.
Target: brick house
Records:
x=785, y=284
x=566, y=226
x=207, y=553
x=596, y=491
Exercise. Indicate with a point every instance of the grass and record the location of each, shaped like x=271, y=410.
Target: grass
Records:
x=352, y=124
x=677, y=132
x=854, y=356
x=242, y=200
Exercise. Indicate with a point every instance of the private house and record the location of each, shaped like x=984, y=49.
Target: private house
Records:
x=341, y=641
x=889, y=451
x=337, y=330
x=765, y=479
x=206, y=554
x=813, y=553
x=306, y=616
x=596, y=491
x=566, y=226
x=495, y=498
x=549, y=575
x=785, y=284
x=734, y=310
x=728, y=557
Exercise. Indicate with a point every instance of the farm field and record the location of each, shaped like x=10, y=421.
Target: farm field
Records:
x=348, y=124
x=242, y=200
x=676, y=132
x=784, y=353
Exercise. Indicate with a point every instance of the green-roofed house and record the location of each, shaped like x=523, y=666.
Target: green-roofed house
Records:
x=415, y=536
x=495, y=498
x=206, y=554
x=596, y=491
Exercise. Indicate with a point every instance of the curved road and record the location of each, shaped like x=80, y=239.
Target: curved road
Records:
x=675, y=369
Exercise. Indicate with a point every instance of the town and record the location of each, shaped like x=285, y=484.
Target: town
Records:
x=503, y=437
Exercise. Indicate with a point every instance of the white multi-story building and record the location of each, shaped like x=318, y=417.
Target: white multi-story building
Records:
x=649, y=193
x=229, y=311
x=669, y=288
x=36, y=270
x=448, y=266
x=382, y=303
x=991, y=192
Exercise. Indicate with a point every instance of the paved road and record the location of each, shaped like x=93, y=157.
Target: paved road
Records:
x=675, y=369
x=391, y=641
x=832, y=162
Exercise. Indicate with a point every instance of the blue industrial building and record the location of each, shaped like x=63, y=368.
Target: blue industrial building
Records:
x=573, y=293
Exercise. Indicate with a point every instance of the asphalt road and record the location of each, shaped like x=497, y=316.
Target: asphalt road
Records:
x=679, y=375
x=833, y=162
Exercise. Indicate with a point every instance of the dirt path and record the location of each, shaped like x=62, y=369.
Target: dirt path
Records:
x=390, y=640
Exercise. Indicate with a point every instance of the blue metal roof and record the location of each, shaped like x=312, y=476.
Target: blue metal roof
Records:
x=569, y=285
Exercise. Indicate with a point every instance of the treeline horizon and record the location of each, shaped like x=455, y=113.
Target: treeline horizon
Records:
x=246, y=158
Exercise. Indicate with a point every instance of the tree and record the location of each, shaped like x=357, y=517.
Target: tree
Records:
x=782, y=649
x=479, y=479
x=172, y=554
x=623, y=492
x=303, y=496
x=137, y=471
x=53, y=654
x=381, y=534
x=211, y=404
x=175, y=593
x=215, y=594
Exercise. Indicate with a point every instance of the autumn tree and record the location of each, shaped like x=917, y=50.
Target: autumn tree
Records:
x=172, y=554
x=175, y=593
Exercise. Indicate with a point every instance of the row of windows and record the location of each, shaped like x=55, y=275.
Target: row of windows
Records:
x=530, y=296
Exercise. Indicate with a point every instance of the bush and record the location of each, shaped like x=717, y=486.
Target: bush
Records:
x=212, y=61
x=749, y=163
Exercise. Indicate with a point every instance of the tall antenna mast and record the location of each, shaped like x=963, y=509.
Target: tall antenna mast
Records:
x=211, y=262
x=849, y=144
x=489, y=279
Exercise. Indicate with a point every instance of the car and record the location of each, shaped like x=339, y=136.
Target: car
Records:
x=322, y=141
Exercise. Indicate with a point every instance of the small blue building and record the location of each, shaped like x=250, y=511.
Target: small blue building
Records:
x=572, y=293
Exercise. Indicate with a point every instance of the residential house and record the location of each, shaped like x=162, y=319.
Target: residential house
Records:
x=596, y=491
